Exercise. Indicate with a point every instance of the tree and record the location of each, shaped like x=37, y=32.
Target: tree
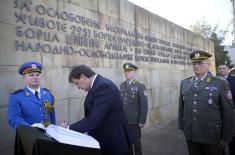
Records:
x=217, y=36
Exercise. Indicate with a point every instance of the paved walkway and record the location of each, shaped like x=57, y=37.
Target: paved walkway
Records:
x=164, y=139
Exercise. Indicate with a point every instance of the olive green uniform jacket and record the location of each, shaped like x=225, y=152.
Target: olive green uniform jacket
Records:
x=135, y=101
x=206, y=112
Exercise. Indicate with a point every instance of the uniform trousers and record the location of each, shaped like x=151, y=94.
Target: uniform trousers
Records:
x=136, y=132
x=195, y=148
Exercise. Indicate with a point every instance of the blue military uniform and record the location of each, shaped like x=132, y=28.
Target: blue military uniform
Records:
x=25, y=108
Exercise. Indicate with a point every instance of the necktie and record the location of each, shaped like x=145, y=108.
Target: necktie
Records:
x=36, y=94
x=197, y=82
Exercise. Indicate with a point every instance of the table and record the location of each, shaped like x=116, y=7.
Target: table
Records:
x=33, y=141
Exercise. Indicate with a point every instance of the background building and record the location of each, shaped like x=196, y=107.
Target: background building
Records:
x=231, y=49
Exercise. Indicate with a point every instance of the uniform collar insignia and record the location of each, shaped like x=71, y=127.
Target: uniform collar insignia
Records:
x=209, y=79
x=27, y=94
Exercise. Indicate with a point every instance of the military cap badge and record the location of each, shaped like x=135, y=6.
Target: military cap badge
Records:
x=197, y=55
x=34, y=66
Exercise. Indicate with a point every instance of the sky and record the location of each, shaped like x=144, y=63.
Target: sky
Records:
x=187, y=12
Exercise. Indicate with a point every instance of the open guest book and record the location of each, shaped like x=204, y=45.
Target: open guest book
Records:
x=67, y=136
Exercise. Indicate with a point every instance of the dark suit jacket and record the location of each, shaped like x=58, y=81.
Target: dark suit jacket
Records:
x=231, y=81
x=104, y=118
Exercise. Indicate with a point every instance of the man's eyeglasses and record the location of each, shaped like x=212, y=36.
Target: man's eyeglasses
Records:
x=199, y=63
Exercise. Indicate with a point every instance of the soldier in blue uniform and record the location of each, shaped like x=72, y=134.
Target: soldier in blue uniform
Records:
x=205, y=109
x=32, y=104
x=135, y=101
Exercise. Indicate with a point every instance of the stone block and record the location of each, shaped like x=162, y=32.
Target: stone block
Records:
x=62, y=112
x=142, y=18
x=157, y=24
x=154, y=81
x=127, y=11
x=46, y=4
x=93, y=5
x=71, y=8
x=109, y=7
x=76, y=109
x=8, y=54
x=154, y=97
x=10, y=81
x=171, y=80
x=153, y=116
x=120, y=77
x=8, y=135
x=7, y=12
x=56, y=79
x=92, y=15
x=167, y=112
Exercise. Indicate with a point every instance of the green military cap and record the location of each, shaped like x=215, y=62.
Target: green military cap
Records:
x=129, y=66
x=199, y=55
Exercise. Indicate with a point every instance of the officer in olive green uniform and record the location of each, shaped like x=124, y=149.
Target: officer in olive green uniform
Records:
x=205, y=109
x=134, y=97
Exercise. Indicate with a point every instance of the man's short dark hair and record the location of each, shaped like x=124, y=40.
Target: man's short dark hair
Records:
x=77, y=71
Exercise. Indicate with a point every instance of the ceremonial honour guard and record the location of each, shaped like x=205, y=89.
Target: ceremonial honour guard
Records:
x=32, y=104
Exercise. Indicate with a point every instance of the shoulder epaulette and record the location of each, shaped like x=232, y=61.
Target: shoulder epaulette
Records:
x=136, y=81
x=188, y=79
x=211, y=78
x=123, y=82
x=17, y=91
x=216, y=77
x=47, y=90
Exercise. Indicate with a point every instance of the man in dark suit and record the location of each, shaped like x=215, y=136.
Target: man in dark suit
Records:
x=104, y=114
x=205, y=109
x=223, y=71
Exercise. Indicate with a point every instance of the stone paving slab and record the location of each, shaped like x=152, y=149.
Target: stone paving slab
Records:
x=164, y=139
